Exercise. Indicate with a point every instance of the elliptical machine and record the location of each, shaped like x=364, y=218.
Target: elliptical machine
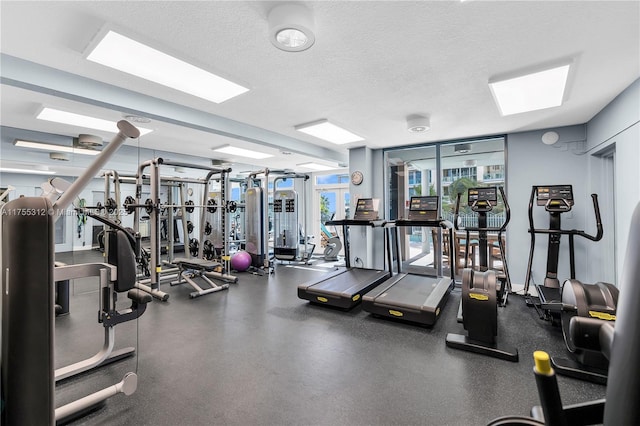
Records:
x=559, y=304
x=483, y=290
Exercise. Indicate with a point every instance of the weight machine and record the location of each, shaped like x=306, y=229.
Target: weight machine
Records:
x=188, y=268
x=257, y=228
x=288, y=236
x=28, y=275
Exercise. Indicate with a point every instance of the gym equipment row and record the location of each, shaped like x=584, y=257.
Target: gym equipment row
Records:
x=407, y=297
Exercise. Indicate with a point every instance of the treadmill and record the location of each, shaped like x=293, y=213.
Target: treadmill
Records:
x=344, y=288
x=411, y=297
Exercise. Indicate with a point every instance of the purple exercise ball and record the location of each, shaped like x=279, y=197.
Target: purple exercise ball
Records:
x=241, y=261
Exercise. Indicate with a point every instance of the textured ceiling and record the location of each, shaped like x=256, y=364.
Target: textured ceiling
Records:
x=373, y=64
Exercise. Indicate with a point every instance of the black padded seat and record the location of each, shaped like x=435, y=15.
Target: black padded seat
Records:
x=197, y=264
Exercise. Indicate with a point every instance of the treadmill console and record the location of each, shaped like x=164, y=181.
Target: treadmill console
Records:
x=555, y=198
x=367, y=209
x=482, y=199
x=424, y=208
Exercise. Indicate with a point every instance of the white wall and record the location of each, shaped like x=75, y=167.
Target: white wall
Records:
x=617, y=127
x=366, y=243
x=530, y=162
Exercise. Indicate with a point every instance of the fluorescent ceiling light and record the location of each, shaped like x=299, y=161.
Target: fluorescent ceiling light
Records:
x=55, y=148
x=127, y=55
x=29, y=171
x=531, y=92
x=240, y=152
x=64, y=117
x=316, y=166
x=329, y=132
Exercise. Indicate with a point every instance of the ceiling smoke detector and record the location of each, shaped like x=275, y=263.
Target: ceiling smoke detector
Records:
x=418, y=124
x=462, y=148
x=89, y=141
x=59, y=156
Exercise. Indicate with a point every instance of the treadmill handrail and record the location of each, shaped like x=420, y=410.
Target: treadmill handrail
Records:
x=372, y=223
x=436, y=223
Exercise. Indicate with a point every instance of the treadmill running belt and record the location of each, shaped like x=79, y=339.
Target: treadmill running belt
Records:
x=344, y=289
x=409, y=297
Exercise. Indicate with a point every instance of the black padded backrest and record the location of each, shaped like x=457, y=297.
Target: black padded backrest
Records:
x=122, y=256
x=623, y=385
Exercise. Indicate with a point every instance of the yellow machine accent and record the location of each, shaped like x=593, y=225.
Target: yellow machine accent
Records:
x=356, y=297
x=542, y=363
x=226, y=257
x=158, y=269
x=322, y=299
x=478, y=296
x=396, y=313
x=602, y=315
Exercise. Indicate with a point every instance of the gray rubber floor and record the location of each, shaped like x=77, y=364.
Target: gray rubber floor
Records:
x=257, y=355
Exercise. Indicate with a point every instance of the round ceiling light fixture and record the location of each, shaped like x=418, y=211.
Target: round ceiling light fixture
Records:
x=418, y=124
x=291, y=27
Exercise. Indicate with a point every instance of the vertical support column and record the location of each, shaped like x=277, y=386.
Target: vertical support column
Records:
x=203, y=217
x=185, y=228
x=154, y=218
x=265, y=220
x=170, y=225
x=224, y=223
x=361, y=237
x=107, y=193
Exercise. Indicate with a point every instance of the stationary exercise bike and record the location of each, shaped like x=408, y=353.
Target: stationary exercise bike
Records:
x=559, y=304
x=483, y=289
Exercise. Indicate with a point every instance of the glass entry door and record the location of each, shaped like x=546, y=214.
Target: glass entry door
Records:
x=414, y=173
x=443, y=169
